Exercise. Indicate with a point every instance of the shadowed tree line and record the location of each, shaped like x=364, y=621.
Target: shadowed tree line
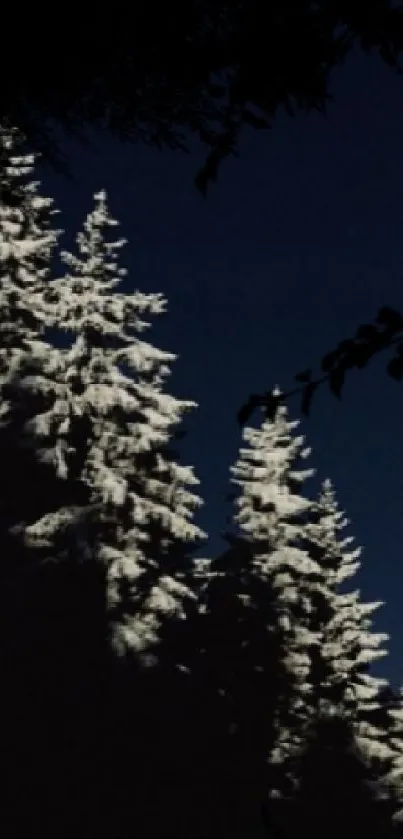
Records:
x=92, y=746
x=145, y=692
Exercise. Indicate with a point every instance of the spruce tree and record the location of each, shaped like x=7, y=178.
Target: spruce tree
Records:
x=346, y=746
x=292, y=643
x=113, y=533
x=340, y=663
x=109, y=428
x=30, y=632
x=270, y=514
x=27, y=242
x=257, y=624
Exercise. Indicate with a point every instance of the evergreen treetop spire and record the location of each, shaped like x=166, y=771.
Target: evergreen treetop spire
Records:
x=27, y=241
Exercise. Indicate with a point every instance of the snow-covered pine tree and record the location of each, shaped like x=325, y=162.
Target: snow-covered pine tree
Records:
x=109, y=427
x=28, y=638
x=271, y=513
x=341, y=679
x=345, y=733
x=27, y=242
x=259, y=586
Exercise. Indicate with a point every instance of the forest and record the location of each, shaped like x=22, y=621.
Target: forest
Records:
x=149, y=690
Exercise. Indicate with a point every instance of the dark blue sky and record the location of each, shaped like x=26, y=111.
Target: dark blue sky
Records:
x=298, y=242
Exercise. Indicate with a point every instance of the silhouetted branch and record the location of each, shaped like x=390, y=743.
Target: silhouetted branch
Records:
x=156, y=73
x=369, y=340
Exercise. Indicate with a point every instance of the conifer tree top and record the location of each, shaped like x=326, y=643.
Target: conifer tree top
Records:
x=268, y=478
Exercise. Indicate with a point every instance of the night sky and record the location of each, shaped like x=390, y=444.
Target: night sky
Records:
x=298, y=242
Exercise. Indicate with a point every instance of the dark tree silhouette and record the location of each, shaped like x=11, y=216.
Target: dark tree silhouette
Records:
x=335, y=796
x=157, y=72
x=369, y=340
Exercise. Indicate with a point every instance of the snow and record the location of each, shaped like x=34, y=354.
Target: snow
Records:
x=302, y=552
x=270, y=517
x=104, y=422
x=129, y=416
